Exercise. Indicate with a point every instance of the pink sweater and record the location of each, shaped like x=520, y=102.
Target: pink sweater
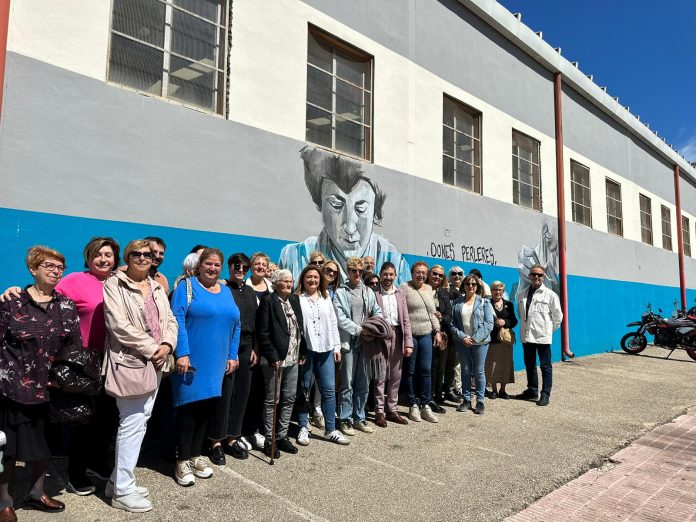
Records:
x=88, y=293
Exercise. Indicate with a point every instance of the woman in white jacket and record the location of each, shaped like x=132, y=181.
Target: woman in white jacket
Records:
x=323, y=351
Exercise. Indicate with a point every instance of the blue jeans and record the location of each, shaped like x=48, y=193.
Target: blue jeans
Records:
x=321, y=365
x=473, y=361
x=417, y=368
x=352, y=386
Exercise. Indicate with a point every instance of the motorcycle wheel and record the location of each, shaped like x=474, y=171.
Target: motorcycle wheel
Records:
x=634, y=343
x=692, y=353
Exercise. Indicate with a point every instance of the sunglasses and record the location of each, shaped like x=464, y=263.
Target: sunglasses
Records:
x=436, y=274
x=535, y=274
x=318, y=262
x=329, y=271
x=356, y=271
x=135, y=255
x=470, y=284
x=372, y=283
x=52, y=266
x=456, y=274
x=237, y=267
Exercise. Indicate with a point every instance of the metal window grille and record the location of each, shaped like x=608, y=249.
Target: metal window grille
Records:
x=666, y=228
x=646, y=230
x=339, y=95
x=175, y=49
x=526, y=171
x=614, y=211
x=581, y=203
x=461, y=146
x=686, y=233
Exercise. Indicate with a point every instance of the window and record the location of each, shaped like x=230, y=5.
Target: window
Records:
x=580, y=193
x=686, y=233
x=461, y=146
x=646, y=231
x=171, y=48
x=526, y=171
x=666, y=228
x=614, y=215
x=339, y=95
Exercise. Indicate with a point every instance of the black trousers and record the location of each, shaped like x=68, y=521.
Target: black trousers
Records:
x=191, y=427
x=253, y=414
x=240, y=395
x=530, y=355
x=89, y=443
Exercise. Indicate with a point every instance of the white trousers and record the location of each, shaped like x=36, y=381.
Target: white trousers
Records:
x=133, y=415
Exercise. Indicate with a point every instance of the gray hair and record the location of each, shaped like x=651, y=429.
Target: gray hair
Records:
x=455, y=268
x=279, y=275
x=496, y=284
x=191, y=261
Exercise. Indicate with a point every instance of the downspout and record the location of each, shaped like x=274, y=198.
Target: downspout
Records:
x=560, y=200
x=4, y=26
x=680, y=237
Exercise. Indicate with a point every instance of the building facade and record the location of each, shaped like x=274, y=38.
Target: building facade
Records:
x=414, y=129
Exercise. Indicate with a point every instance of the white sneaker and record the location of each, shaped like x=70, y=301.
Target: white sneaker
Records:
x=183, y=474
x=244, y=443
x=200, y=468
x=337, y=437
x=109, y=490
x=427, y=414
x=133, y=503
x=414, y=413
x=258, y=440
x=303, y=437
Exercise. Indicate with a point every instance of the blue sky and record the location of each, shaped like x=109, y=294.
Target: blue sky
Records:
x=644, y=51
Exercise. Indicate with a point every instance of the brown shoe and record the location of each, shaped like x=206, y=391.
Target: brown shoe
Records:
x=380, y=420
x=45, y=503
x=393, y=416
x=8, y=515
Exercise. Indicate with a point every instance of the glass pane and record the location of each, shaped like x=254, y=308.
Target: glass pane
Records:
x=351, y=70
x=525, y=147
x=208, y=9
x=349, y=101
x=193, y=83
x=465, y=148
x=465, y=175
x=447, y=170
x=536, y=199
x=350, y=137
x=447, y=141
x=141, y=19
x=525, y=195
x=194, y=38
x=448, y=113
x=465, y=122
x=319, y=88
x=135, y=65
x=318, y=126
x=319, y=54
x=578, y=214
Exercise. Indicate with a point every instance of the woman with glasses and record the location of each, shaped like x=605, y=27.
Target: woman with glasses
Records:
x=236, y=386
x=371, y=281
x=33, y=328
x=140, y=324
x=316, y=258
x=425, y=327
x=333, y=277
x=207, y=350
x=500, y=369
x=443, y=311
x=472, y=323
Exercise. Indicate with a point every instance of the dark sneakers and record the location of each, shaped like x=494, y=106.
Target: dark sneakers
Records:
x=437, y=408
x=464, y=406
x=479, y=408
x=544, y=401
x=267, y=450
x=286, y=446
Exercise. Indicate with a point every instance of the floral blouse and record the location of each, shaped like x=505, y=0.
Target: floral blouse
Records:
x=32, y=334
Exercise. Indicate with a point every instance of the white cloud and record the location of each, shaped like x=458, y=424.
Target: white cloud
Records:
x=688, y=149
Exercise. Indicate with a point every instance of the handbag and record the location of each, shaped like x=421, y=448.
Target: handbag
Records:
x=506, y=336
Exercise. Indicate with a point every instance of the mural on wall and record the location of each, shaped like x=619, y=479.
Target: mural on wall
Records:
x=351, y=205
x=545, y=253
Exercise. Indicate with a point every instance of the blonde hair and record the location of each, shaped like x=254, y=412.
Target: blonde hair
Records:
x=316, y=254
x=355, y=262
x=136, y=244
x=444, y=283
x=39, y=253
x=257, y=255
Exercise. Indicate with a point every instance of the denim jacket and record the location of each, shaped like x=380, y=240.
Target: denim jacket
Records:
x=349, y=327
x=482, y=318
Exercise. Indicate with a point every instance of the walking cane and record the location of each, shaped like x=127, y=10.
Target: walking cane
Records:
x=275, y=411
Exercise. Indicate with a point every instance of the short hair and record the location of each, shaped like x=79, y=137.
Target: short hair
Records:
x=365, y=258
x=369, y=275
x=191, y=261
x=238, y=257
x=479, y=285
x=386, y=265
x=444, y=283
x=320, y=164
x=39, y=253
x=197, y=248
x=496, y=284
x=538, y=266
x=355, y=262
x=314, y=254
x=96, y=244
x=261, y=255
x=157, y=240
x=418, y=263
x=279, y=275
x=455, y=268
x=207, y=253
x=136, y=244
x=476, y=272
x=323, y=284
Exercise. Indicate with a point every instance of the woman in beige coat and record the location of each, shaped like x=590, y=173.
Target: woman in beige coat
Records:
x=139, y=321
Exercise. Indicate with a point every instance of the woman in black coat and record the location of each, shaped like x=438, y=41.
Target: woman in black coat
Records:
x=500, y=368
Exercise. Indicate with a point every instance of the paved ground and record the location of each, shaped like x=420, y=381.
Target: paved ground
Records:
x=652, y=479
x=464, y=468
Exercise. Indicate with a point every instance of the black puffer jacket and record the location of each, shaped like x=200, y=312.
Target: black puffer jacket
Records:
x=75, y=377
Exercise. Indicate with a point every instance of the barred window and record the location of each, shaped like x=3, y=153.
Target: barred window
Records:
x=461, y=146
x=686, y=233
x=171, y=48
x=339, y=95
x=666, y=228
x=580, y=193
x=614, y=213
x=646, y=230
x=526, y=171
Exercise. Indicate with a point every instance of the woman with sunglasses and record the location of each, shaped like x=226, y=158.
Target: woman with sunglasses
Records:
x=443, y=311
x=236, y=386
x=472, y=323
x=333, y=277
x=371, y=281
x=139, y=322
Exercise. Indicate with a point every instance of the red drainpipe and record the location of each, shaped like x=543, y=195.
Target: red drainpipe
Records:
x=4, y=25
x=560, y=199
x=680, y=237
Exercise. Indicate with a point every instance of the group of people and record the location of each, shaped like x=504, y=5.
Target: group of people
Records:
x=237, y=356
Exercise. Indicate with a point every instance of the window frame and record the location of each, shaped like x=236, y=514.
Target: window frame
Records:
x=222, y=60
x=573, y=203
x=477, y=116
x=358, y=54
x=666, y=238
x=686, y=236
x=515, y=173
x=641, y=199
x=619, y=218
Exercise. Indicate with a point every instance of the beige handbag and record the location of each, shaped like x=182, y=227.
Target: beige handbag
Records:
x=506, y=336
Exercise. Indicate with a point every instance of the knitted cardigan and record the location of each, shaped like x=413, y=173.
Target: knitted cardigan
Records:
x=421, y=309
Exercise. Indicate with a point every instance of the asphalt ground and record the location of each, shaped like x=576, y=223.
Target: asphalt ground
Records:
x=467, y=467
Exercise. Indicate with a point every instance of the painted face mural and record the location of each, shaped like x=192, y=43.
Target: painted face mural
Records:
x=348, y=218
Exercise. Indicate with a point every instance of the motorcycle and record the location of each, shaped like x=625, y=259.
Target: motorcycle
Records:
x=676, y=333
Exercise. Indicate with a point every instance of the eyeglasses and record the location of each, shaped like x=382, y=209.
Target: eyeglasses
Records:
x=329, y=271
x=535, y=274
x=52, y=266
x=356, y=271
x=240, y=267
x=456, y=274
x=372, y=283
x=146, y=255
x=318, y=262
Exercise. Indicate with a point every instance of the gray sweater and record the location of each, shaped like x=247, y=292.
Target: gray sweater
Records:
x=421, y=309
